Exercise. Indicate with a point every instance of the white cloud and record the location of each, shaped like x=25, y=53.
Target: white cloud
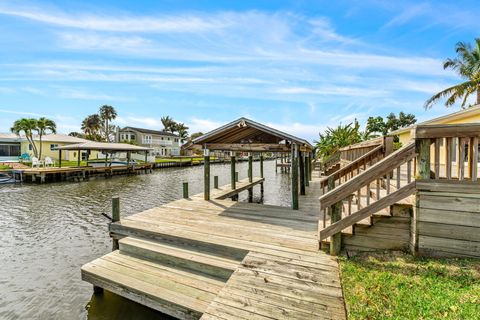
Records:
x=119, y=23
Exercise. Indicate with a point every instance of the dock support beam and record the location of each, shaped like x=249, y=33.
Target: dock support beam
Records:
x=250, y=177
x=115, y=218
x=215, y=182
x=59, y=158
x=307, y=169
x=335, y=215
x=294, y=162
x=261, y=174
x=301, y=159
x=206, y=175
x=185, y=190
x=78, y=157
x=232, y=170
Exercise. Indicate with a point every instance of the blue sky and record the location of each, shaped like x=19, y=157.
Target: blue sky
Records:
x=297, y=65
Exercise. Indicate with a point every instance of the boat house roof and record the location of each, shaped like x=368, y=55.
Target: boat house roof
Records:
x=247, y=135
x=103, y=146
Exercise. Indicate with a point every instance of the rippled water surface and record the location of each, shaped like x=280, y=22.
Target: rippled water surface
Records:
x=49, y=231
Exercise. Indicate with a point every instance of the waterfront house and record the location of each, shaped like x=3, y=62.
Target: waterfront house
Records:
x=162, y=143
x=13, y=146
x=465, y=116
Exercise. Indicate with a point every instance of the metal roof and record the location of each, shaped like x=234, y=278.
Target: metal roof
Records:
x=103, y=146
x=246, y=131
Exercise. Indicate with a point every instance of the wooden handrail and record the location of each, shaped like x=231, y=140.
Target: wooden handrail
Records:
x=364, y=144
x=383, y=167
x=446, y=130
x=353, y=164
x=363, y=213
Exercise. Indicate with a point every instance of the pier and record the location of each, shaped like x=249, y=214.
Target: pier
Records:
x=208, y=256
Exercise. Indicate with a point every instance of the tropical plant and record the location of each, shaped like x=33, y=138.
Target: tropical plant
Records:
x=335, y=138
x=92, y=126
x=44, y=125
x=182, y=131
x=467, y=65
x=27, y=126
x=168, y=124
x=76, y=134
x=107, y=113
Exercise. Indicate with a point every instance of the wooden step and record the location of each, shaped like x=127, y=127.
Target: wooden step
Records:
x=175, y=292
x=179, y=256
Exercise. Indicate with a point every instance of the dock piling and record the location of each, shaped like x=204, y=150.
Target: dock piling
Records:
x=215, y=182
x=185, y=190
x=115, y=218
x=206, y=166
x=294, y=162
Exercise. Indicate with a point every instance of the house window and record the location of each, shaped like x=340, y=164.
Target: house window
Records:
x=147, y=139
x=132, y=137
x=53, y=146
x=30, y=148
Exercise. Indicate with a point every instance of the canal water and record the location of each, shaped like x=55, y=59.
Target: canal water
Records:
x=49, y=231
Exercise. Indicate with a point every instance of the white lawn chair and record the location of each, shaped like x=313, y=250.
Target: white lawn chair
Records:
x=36, y=162
x=49, y=162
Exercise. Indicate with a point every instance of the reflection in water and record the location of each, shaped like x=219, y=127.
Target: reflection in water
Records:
x=49, y=231
x=108, y=306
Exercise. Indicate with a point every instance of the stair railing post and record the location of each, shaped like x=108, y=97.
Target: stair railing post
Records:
x=335, y=215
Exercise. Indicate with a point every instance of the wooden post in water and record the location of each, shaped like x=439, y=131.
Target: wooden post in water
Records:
x=261, y=174
x=59, y=158
x=185, y=190
x=261, y=165
x=301, y=160
x=307, y=169
x=215, y=182
x=335, y=215
x=236, y=176
x=206, y=175
x=232, y=170
x=115, y=218
x=276, y=162
x=78, y=158
x=250, y=176
x=294, y=163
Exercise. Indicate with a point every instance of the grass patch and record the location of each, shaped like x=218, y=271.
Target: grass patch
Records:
x=4, y=167
x=400, y=286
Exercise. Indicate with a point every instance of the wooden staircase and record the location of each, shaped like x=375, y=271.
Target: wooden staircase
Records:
x=175, y=278
x=367, y=195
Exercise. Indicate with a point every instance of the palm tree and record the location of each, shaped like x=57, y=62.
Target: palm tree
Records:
x=26, y=125
x=336, y=138
x=168, y=123
x=107, y=113
x=44, y=125
x=182, y=131
x=91, y=126
x=467, y=65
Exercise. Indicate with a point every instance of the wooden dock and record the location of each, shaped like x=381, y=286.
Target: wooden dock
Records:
x=77, y=173
x=222, y=259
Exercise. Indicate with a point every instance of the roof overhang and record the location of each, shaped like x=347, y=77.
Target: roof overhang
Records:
x=247, y=135
x=103, y=146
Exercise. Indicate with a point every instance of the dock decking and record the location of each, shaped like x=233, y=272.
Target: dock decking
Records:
x=222, y=259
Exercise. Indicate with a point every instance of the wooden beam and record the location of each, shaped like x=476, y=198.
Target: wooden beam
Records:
x=447, y=130
x=422, y=147
x=253, y=147
x=294, y=177
x=206, y=174
x=301, y=161
x=59, y=158
x=232, y=170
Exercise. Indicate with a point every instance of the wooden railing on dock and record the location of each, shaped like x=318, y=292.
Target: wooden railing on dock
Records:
x=371, y=190
x=355, y=151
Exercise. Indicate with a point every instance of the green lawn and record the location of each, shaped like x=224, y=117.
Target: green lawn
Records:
x=4, y=167
x=400, y=286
